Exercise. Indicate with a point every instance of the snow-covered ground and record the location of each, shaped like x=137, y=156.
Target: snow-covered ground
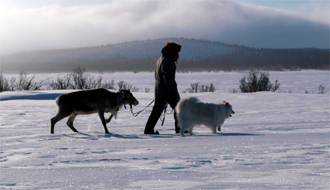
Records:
x=273, y=141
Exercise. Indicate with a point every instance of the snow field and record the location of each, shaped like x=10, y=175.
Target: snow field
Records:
x=273, y=141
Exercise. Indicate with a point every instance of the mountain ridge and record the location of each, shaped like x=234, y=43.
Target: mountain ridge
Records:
x=142, y=55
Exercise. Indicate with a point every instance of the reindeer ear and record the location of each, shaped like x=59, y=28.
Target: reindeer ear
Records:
x=122, y=92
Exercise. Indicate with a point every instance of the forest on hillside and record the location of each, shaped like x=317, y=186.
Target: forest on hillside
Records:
x=196, y=55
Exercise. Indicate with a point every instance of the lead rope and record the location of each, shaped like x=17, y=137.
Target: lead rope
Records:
x=137, y=113
x=164, y=113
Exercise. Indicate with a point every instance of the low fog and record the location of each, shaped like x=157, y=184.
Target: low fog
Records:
x=55, y=26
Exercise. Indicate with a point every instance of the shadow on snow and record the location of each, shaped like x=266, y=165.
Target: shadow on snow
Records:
x=50, y=96
x=97, y=136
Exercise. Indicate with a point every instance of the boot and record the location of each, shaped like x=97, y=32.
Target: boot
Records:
x=151, y=133
x=177, y=130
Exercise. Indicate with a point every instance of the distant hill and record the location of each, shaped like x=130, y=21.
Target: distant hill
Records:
x=196, y=55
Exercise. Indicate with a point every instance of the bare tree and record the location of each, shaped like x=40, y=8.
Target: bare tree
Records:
x=28, y=83
x=197, y=88
x=257, y=81
x=4, y=84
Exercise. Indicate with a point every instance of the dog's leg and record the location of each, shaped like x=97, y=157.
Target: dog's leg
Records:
x=185, y=127
x=108, y=120
x=219, y=128
x=182, y=131
x=104, y=123
x=70, y=122
x=214, y=129
x=190, y=130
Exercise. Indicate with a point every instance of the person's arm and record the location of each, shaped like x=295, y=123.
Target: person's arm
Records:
x=169, y=69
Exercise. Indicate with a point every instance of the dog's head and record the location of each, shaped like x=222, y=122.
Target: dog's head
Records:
x=229, y=109
x=128, y=98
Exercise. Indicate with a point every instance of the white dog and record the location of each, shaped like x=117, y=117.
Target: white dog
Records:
x=191, y=112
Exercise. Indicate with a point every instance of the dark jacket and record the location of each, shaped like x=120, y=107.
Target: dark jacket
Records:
x=165, y=85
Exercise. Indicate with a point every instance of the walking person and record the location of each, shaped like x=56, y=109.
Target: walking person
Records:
x=166, y=90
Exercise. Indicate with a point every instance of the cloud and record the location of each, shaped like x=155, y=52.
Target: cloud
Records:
x=58, y=26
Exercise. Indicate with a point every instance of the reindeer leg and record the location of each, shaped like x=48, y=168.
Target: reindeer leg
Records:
x=104, y=122
x=70, y=122
x=108, y=120
x=59, y=116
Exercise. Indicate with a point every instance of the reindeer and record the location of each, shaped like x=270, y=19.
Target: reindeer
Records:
x=91, y=101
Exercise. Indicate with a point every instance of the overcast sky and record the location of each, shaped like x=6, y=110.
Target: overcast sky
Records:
x=53, y=24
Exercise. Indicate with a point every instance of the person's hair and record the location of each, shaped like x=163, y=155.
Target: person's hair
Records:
x=172, y=47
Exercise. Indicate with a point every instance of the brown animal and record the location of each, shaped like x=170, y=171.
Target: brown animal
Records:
x=91, y=101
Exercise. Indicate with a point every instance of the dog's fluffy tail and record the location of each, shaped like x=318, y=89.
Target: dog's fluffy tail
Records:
x=185, y=103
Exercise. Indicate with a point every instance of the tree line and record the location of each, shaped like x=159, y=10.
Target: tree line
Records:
x=198, y=55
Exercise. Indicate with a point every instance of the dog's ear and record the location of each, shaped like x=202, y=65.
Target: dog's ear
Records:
x=227, y=104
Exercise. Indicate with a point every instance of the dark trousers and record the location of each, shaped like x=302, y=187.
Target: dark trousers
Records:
x=157, y=112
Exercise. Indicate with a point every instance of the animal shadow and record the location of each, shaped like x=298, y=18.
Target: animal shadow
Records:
x=238, y=134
